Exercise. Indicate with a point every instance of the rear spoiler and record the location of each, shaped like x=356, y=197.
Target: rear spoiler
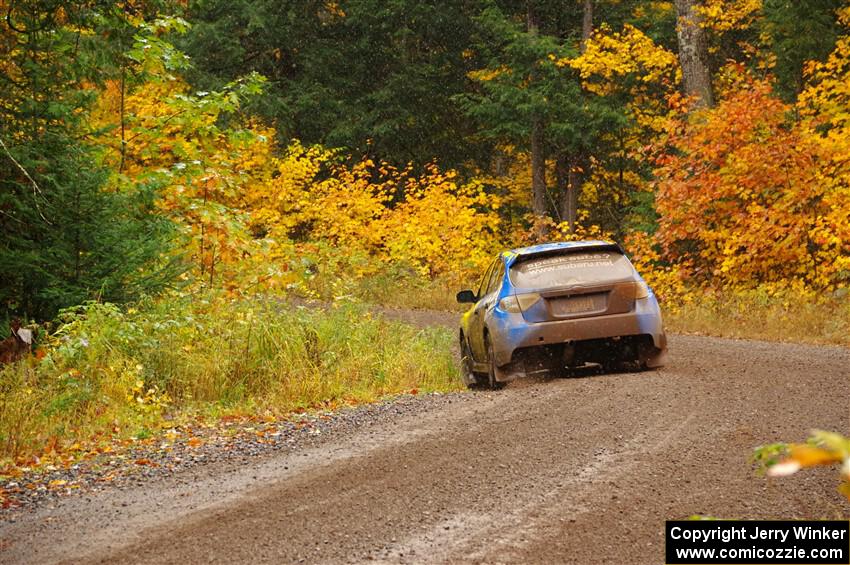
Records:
x=612, y=247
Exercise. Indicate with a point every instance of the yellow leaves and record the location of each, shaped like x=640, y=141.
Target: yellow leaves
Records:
x=651, y=72
x=667, y=281
x=610, y=54
x=654, y=10
x=333, y=10
x=808, y=456
x=844, y=15
x=823, y=448
x=172, y=135
x=442, y=227
x=722, y=16
x=826, y=97
x=147, y=399
x=485, y=75
x=437, y=227
x=824, y=103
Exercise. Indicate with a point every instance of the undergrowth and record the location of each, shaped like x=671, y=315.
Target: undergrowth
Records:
x=107, y=370
x=764, y=314
x=321, y=272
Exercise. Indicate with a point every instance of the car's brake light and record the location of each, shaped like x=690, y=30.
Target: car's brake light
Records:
x=641, y=290
x=518, y=303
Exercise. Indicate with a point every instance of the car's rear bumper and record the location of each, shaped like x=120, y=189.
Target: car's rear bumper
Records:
x=512, y=332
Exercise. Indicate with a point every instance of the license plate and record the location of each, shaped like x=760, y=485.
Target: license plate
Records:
x=575, y=305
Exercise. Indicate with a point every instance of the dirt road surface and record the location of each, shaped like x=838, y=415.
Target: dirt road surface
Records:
x=572, y=470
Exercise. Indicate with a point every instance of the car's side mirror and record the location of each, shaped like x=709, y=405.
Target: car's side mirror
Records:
x=466, y=297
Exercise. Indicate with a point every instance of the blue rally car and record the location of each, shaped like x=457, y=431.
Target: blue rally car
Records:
x=557, y=306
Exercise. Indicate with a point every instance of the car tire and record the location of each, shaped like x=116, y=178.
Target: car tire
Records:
x=493, y=370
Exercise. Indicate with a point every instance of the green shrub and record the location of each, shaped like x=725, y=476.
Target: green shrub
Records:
x=106, y=368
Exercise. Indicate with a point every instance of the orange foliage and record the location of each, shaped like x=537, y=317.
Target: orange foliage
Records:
x=754, y=191
x=743, y=197
x=823, y=448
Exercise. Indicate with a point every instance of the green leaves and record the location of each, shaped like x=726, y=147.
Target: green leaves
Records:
x=522, y=82
x=157, y=57
x=68, y=239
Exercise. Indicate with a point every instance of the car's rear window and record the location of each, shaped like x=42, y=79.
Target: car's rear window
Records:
x=552, y=271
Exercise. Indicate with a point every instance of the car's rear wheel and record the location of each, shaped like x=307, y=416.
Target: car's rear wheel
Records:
x=493, y=370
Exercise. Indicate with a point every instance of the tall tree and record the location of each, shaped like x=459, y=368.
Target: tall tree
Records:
x=799, y=32
x=372, y=76
x=525, y=85
x=66, y=237
x=538, y=131
x=570, y=167
x=693, y=53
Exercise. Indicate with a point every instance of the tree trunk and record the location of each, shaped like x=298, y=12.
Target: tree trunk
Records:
x=586, y=24
x=567, y=165
x=562, y=183
x=531, y=16
x=571, y=178
x=538, y=141
x=693, y=53
x=538, y=168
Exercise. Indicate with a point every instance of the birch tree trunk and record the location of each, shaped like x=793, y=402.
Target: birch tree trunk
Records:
x=693, y=53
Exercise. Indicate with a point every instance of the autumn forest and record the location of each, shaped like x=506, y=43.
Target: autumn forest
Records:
x=169, y=170
x=151, y=145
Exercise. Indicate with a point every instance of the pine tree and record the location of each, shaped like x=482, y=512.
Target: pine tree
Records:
x=65, y=237
x=371, y=76
x=526, y=98
x=799, y=32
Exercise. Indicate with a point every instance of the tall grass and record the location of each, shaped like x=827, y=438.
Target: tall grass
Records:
x=108, y=368
x=803, y=317
x=327, y=275
x=766, y=312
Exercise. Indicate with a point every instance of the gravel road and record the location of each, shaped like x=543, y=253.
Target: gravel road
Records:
x=573, y=470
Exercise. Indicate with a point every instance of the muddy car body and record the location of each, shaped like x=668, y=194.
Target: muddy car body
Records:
x=555, y=306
